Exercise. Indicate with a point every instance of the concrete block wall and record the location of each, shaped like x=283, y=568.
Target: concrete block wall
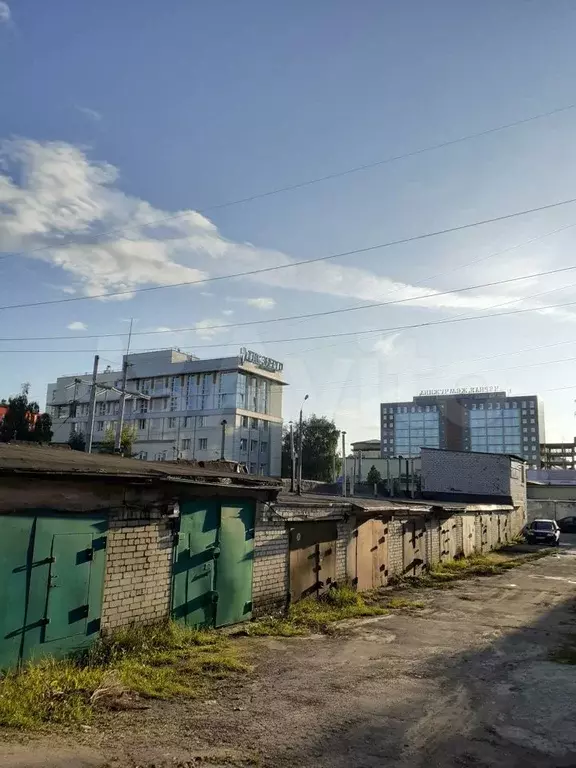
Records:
x=137, y=584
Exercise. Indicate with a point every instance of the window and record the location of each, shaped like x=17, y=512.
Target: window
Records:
x=263, y=447
x=172, y=422
x=141, y=423
x=186, y=444
x=253, y=445
x=532, y=421
x=252, y=468
x=143, y=455
x=244, y=421
x=203, y=443
x=99, y=426
x=173, y=403
x=243, y=444
x=254, y=423
x=186, y=422
x=385, y=440
x=265, y=426
x=201, y=421
x=262, y=469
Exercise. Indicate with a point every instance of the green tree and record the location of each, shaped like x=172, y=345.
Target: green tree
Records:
x=319, y=444
x=374, y=477
x=42, y=431
x=126, y=442
x=77, y=441
x=18, y=422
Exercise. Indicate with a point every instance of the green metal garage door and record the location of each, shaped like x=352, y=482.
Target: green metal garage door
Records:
x=51, y=581
x=212, y=583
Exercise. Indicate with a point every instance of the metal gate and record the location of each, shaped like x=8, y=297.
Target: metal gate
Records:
x=367, y=557
x=414, y=540
x=212, y=574
x=312, y=558
x=51, y=583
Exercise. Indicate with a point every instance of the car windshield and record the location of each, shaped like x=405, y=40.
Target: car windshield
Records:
x=543, y=525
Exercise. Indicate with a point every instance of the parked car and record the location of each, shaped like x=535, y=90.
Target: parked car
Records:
x=567, y=524
x=542, y=532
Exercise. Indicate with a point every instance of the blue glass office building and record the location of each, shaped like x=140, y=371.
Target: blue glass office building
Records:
x=465, y=420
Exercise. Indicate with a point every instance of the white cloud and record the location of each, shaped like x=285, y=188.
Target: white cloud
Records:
x=386, y=347
x=77, y=325
x=227, y=312
x=52, y=194
x=261, y=303
x=4, y=12
x=207, y=329
x=91, y=114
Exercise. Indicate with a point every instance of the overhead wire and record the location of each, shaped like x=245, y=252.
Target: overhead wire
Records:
x=302, y=316
x=291, y=265
x=304, y=183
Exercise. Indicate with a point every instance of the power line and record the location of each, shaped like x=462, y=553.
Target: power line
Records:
x=427, y=324
x=262, y=270
x=307, y=182
x=306, y=316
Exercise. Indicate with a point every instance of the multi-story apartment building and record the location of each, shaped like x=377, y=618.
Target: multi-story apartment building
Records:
x=186, y=400
x=464, y=420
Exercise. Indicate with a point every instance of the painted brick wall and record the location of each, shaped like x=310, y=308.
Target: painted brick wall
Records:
x=433, y=541
x=138, y=569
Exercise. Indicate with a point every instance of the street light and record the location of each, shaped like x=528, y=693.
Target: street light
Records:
x=292, y=459
x=223, y=425
x=300, y=448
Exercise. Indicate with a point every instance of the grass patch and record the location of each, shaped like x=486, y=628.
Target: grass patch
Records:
x=443, y=574
x=316, y=614
x=161, y=661
x=566, y=654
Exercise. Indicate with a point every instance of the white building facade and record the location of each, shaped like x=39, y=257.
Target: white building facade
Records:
x=188, y=400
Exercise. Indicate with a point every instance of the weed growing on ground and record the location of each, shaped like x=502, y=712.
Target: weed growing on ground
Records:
x=316, y=614
x=492, y=564
x=159, y=661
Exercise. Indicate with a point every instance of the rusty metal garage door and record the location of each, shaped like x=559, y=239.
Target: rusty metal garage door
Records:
x=414, y=536
x=368, y=555
x=312, y=558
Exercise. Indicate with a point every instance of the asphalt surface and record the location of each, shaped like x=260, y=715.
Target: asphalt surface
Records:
x=468, y=681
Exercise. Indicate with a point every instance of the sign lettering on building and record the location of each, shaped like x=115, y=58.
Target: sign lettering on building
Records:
x=266, y=363
x=458, y=391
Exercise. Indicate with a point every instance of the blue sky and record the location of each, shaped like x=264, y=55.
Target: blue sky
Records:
x=118, y=114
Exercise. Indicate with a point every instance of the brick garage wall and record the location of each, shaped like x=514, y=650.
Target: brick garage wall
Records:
x=345, y=533
x=270, y=576
x=138, y=568
x=433, y=541
x=395, y=547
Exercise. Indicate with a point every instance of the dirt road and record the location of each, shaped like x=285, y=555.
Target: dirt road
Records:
x=466, y=681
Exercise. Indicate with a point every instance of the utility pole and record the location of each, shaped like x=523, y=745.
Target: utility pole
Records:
x=120, y=425
x=292, y=460
x=300, y=440
x=223, y=445
x=343, y=463
x=92, y=406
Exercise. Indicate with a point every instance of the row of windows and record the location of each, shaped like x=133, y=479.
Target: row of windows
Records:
x=409, y=408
